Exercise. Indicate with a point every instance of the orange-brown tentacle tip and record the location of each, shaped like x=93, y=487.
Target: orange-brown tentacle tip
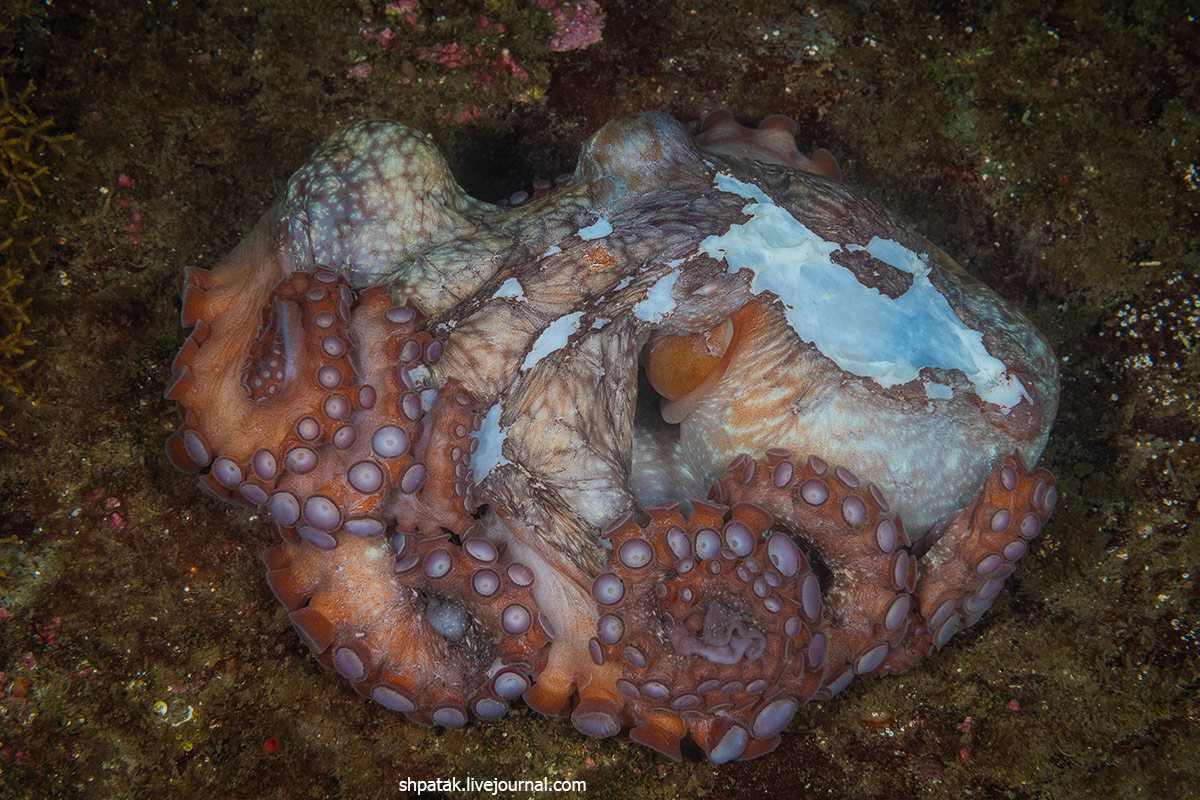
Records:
x=548, y=702
x=722, y=116
x=598, y=717
x=193, y=276
x=823, y=163
x=195, y=305
x=676, y=365
x=779, y=122
x=663, y=732
x=177, y=454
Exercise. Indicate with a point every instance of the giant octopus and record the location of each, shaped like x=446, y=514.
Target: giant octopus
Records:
x=636, y=451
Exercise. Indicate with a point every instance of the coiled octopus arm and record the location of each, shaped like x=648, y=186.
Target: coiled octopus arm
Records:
x=332, y=426
x=787, y=584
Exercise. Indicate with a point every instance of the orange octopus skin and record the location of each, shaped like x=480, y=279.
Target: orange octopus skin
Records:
x=616, y=449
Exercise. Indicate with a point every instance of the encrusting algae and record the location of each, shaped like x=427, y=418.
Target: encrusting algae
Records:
x=24, y=140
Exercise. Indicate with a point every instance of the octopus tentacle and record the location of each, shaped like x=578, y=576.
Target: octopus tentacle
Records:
x=295, y=385
x=333, y=423
x=964, y=570
x=712, y=624
x=354, y=441
x=381, y=477
x=240, y=312
x=538, y=189
x=772, y=142
x=437, y=630
x=844, y=526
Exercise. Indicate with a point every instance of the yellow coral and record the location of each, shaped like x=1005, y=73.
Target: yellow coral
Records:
x=24, y=140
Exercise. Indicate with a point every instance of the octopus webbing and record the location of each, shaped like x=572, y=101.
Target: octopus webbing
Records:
x=635, y=452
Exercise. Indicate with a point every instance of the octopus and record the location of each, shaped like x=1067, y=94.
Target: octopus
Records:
x=671, y=448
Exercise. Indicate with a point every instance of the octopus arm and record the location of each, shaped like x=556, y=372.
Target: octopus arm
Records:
x=575, y=449
x=977, y=549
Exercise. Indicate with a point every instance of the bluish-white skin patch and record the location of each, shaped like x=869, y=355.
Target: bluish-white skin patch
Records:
x=597, y=230
x=491, y=438
x=600, y=322
x=552, y=250
x=511, y=288
x=860, y=329
x=658, y=302
x=553, y=338
x=938, y=391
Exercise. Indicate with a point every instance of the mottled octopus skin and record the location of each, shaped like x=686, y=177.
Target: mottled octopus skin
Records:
x=443, y=405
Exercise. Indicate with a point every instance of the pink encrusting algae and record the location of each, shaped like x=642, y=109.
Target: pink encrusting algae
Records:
x=577, y=25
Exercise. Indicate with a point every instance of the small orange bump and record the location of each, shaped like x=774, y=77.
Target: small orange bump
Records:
x=178, y=455
x=288, y=588
x=662, y=735
x=548, y=702
x=195, y=305
x=721, y=116
x=825, y=164
x=20, y=687
x=780, y=122
x=877, y=719
x=181, y=384
x=314, y=628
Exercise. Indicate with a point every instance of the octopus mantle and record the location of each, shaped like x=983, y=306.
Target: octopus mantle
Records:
x=581, y=450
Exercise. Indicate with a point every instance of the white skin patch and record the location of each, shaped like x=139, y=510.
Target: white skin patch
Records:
x=597, y=230
x=553, y=338
x=658, y=302
x=491, y=438
x=511, y=288
x=860, y=329
x=938, y=391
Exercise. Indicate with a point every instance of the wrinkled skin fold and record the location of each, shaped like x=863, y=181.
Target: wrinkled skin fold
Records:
x=697, y=437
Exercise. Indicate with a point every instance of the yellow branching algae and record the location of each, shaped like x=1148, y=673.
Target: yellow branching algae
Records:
x=24, y=142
